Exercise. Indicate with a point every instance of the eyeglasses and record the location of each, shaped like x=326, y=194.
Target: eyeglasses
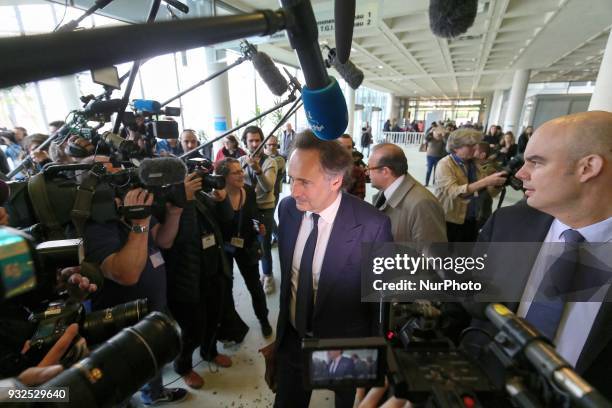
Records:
x=368, y=168
x=272, y=145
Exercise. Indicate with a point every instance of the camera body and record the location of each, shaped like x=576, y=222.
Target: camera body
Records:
x=204, y=168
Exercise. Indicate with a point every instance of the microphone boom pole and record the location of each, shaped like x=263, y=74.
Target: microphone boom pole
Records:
x=36, y=57
x=290, y=98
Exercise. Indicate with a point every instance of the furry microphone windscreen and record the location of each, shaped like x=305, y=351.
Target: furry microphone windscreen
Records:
x=348, y=71
x=450, y=18
x=268, y=72
x=162, y=171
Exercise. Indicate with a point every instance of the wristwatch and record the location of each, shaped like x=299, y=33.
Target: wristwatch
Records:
x=139, y=229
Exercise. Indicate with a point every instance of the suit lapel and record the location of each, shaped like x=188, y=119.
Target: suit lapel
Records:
x=289, y=228
x=345, y=233
x=599, y=337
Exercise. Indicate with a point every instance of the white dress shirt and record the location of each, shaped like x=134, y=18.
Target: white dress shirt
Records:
x=578, y=317
x=325, y=225
x=393, y=186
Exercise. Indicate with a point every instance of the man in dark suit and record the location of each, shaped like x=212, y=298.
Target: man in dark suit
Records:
x=339, y=367
x=321, y=230
x=567, y=178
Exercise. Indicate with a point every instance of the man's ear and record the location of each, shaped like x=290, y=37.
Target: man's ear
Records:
x=589, y=167
x=336, y=182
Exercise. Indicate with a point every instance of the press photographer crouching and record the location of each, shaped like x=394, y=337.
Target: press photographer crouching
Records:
x=128, y=251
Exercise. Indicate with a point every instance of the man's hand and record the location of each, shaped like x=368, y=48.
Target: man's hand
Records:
x=39, y=156
x=49, y=366
x=373, y=399
x=253, y=163
x=77, y=285
x=139, y=197
x=262, y=229
x=496, y=179
x=4, y=217
x=193, y=184
x=269, y=355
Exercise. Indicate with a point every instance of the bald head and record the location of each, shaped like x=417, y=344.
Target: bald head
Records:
x=581, y=133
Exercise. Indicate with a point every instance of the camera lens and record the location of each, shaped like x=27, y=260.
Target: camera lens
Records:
x=103, y=324
x=118, y=368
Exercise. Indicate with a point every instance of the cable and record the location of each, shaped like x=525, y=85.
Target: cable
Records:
x=63, y=17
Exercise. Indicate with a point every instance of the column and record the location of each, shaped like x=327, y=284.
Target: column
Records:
x=70, y=92
x=350, y=104
x=602, y=94
x=516, y=100
x=217, y=107
x=495, y=108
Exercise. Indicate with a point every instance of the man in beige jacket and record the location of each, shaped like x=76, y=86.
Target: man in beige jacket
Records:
x=416, y=215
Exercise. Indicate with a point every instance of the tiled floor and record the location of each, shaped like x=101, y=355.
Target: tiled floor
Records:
x=242, y=385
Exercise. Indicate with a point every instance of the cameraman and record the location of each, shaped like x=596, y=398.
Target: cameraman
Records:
x=128, y=251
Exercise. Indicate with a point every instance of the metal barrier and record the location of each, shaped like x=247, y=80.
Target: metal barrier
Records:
x=403, y=138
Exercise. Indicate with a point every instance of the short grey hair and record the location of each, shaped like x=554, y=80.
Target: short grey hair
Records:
x=463, y=137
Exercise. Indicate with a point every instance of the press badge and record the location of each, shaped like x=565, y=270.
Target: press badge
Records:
x=156, y=259
x=237, y=242
x=208, y=241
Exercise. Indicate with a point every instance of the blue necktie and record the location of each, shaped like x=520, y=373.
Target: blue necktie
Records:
x=557, y=283
x=304, y=305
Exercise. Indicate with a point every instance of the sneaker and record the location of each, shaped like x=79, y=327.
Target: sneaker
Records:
x=266, y=329
x=268, y=284
x=193, y=380
x=168, y=395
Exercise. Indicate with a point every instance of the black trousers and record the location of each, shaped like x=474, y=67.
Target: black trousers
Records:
x=290, y=391
x=466, y=232
x=190, y=316
x=249, y=269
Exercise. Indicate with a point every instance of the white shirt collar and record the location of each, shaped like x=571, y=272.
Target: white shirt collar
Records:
x=598, y=232
x=329, y=214
x=393, y=186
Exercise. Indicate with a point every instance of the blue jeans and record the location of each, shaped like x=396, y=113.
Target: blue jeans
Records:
x=267, y=217
x=432, y=162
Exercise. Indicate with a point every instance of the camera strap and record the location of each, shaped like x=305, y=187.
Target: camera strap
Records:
x=82, y=203
x=37, y=189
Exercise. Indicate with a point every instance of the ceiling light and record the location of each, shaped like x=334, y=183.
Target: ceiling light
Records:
x=380, y=67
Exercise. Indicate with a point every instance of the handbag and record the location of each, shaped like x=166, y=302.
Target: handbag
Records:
x=423, y=147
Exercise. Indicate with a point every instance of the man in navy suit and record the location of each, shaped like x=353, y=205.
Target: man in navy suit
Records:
x=321, y=231
x=339, y=367
x=567, y=178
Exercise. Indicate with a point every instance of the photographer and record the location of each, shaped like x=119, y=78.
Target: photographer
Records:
x=197, y=283
x=458, y=184
x=15, y=329
x=240, y=236
x=130, y=259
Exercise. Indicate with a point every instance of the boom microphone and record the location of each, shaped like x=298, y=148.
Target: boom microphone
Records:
x=344, y=14
x=348, y=71
x=162, y=171
x=104, y=107
x=178, y=5
x=450, y=18
x=269, y=73
x=324, y=103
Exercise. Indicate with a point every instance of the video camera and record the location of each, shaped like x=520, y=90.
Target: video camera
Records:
x=513, y=166
x=425, y=367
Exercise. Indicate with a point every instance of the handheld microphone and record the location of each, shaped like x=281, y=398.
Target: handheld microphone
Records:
x=162, y=171
x=348, y=71
x=269, y=73
x=324, y=102
x=450, y=18
x=344, y=14
x=127, y=147
x=178, y=5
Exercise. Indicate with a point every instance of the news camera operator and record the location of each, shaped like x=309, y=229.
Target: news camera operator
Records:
x=567, y=177
x=128, y=252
